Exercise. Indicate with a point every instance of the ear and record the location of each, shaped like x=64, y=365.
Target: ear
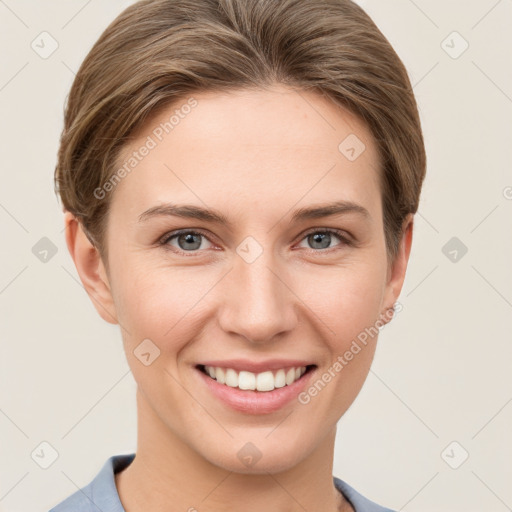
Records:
x=397, y=268
x=90, y=268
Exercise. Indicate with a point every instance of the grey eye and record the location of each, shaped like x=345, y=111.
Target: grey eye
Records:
x=320, y=240
x=187, y=241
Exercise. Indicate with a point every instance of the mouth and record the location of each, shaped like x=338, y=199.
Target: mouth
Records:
x=255, y=393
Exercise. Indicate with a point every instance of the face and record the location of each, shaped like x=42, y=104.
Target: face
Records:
x=259, y=285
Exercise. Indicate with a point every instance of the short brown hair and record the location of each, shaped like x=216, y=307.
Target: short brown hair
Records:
x=157, y=52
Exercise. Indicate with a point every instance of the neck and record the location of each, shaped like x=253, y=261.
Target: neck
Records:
x=166, y=471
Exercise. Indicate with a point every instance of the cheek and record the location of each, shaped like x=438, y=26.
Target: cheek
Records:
x=348, y=302
x=347, y=299
x=159, y=302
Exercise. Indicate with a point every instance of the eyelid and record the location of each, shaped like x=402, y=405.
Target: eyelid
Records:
x=345, y=236
x=171, y=234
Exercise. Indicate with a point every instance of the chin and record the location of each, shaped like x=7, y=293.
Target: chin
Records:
x=258, y=456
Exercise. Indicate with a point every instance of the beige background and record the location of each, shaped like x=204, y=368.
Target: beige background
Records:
x=442, y=368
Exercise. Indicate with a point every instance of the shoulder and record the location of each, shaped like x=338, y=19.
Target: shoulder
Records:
x=358, y=501
x=80, y=501
x=100, y=495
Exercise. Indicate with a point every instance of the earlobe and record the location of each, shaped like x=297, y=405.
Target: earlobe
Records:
x=90, y=268
x=397, y=270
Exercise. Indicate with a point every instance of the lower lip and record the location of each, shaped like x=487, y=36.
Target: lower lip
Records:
x=256, y=402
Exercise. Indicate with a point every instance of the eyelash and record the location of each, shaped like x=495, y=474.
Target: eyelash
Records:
x=164, y=241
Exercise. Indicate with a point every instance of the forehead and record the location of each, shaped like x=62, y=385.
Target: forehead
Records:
x=247, y=148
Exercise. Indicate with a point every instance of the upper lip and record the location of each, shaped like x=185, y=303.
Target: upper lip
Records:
x=256, y=366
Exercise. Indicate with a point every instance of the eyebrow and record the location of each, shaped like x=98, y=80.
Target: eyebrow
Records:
x=213, y=216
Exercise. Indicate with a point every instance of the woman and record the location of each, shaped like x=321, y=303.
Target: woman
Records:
x=239, y=180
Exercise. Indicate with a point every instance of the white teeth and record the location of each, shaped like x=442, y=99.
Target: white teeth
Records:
x=280, y=379
x=231, y=378
x=246, y=380
x=220, y=375
x=264, y=381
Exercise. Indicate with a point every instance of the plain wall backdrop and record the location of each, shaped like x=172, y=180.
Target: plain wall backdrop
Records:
x=430, y=430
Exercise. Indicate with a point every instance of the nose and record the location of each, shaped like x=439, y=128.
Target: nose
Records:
x=257, y=303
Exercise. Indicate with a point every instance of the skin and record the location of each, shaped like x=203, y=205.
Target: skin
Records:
x=256, y=156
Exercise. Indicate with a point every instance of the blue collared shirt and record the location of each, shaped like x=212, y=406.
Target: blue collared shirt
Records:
x=101, y=494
